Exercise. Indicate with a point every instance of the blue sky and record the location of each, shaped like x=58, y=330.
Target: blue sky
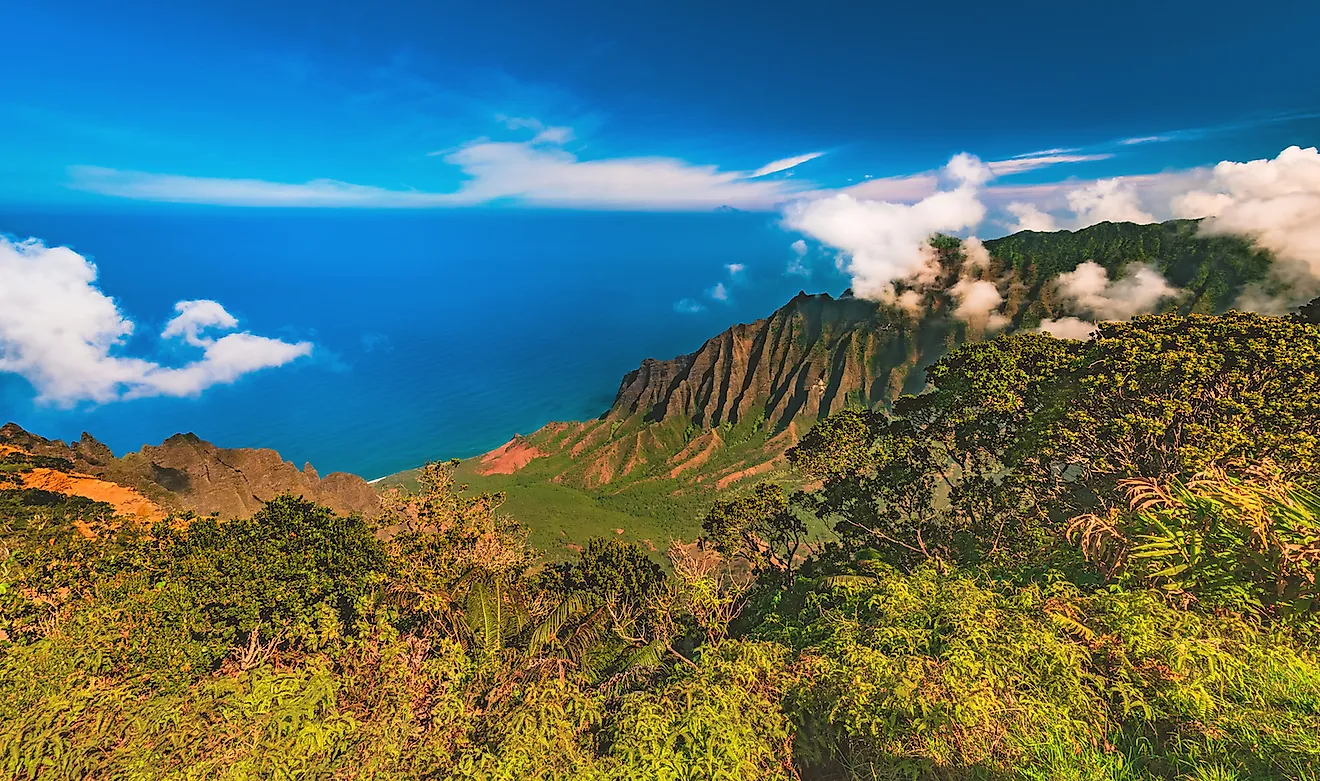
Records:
x=399, y=97
x=554, y=173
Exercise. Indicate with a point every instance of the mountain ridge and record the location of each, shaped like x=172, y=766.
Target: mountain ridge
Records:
x=185, y=472
x=730, y=409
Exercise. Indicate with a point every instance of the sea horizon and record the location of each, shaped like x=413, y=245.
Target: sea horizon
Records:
x=437, y=334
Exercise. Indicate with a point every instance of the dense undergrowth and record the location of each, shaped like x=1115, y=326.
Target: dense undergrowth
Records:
x=1064, y=561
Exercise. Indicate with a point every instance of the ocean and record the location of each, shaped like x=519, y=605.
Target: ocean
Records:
x=437, y=334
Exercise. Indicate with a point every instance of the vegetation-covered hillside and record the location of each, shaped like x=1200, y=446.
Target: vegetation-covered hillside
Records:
x=684, y=430
x=1064, y=560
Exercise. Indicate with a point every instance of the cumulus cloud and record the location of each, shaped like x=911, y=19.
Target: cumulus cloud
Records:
x=1138, y=291
x=1068, y=328
x=1089, y=290
x=797, y=266
x=194, y=317
x=1108, y=200
x=884, y=241
x=785, y=164
x=975, y=255
x=1276, y=203
x=977, y=300
x=719, y=292
x=978, y=303
x=910, y=301
x=1030, y=218
x=735, y=268
x=65, y=337
x=687, y=306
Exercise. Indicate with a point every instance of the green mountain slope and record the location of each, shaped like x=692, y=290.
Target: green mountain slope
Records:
x=717, y=420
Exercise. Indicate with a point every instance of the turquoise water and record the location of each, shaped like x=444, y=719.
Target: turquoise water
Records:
x=438, y=334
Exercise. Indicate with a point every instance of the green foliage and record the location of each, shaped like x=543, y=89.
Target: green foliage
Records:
x=762, y=527
x=955, y=629
x=1212, y=269
x=294, y=569
x=1169, y=396
x=1244, y=544
x=614, y=570
x=1022, y=432
x=940, y=676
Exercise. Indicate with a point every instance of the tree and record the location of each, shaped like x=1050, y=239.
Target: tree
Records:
x=457, y=563
x=1169, y=396
x=763, y=527
x=1020, y=433
x=929, y=480
x=1310, y=313
x=282, y=572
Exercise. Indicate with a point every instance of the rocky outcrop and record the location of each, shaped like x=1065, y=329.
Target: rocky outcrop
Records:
x=236, y=482
x=761, y=382
x=186, y=472
x=810, y=358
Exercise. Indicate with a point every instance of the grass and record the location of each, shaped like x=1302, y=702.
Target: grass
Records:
x=548, y=496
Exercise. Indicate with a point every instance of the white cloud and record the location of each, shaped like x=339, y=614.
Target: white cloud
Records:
x=168, y=188
x=1030, y=218
x=913, y=187
x=1022, y=163
x=978, y=303
x=1089, y=290
x=797, y=265
x=910, y=301
x=194, y=317
x=900, y=189
x=531, y=172
x=975, y=256
x=1108, y=200
x=1068, y=328
x=1276, y=203
x=1043, y=152
x=735, y=268
x=1144, y=140
x=63, y=335
x=545, y=134
x=719, y=292
x=1139, y=290
x=687, y=306
x=785, y=164
x=885, y=241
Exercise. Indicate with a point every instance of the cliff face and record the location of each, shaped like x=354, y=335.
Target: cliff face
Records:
x=236, y=482
x=730, y=410
x=187, y=473
x=808, y=359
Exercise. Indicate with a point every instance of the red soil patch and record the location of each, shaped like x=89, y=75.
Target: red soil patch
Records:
x=691, y=458
x=636, y=457
x=783, y=440
x=592, y=435
x=508, y=458
x=741, y=474
x=126, y=501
